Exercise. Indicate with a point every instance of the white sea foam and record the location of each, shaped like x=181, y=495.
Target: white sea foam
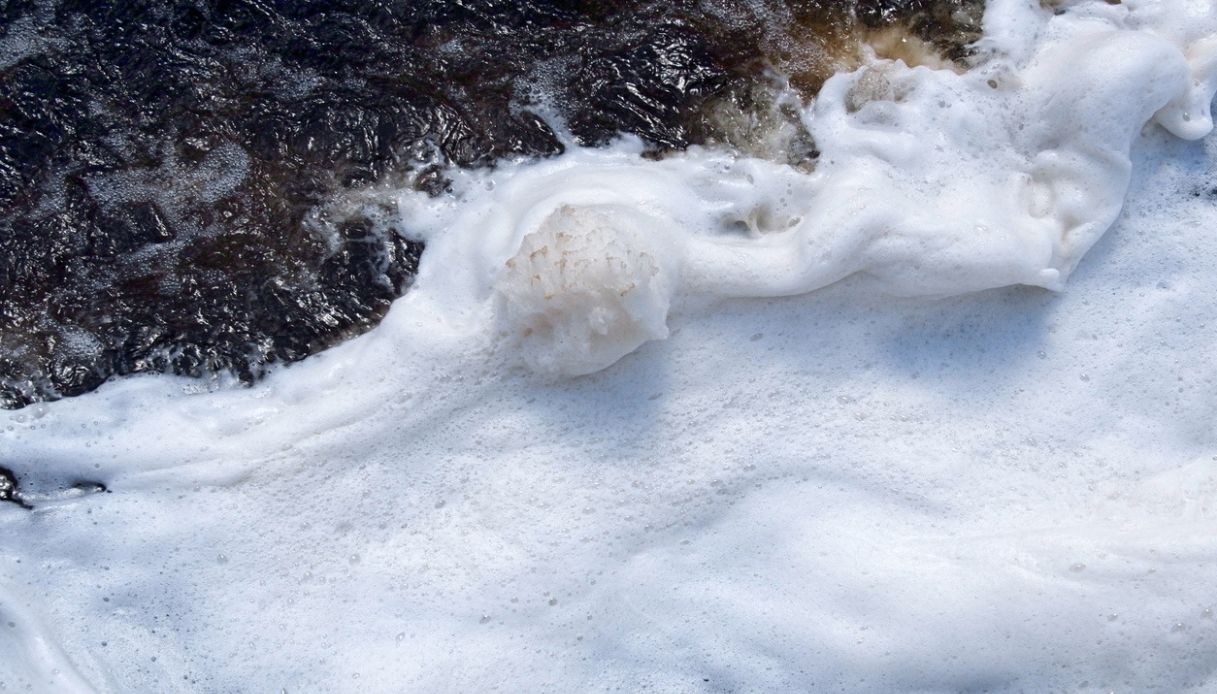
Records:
x=1012, y=490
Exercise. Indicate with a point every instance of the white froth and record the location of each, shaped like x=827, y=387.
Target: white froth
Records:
x=1005, y=491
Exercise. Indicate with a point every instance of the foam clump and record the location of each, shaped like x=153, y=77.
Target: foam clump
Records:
x=586, y=288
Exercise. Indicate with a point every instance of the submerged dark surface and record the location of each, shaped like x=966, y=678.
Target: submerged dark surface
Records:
x=9, y=493
x=184, y=185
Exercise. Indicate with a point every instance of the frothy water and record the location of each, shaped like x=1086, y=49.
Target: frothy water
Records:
x=183, y=186
x=894, y=483
x=929, y=182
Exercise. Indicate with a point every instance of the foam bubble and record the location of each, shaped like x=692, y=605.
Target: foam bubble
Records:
x=586, y=288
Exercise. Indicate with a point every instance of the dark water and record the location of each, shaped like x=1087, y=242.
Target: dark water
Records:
x=183, y=185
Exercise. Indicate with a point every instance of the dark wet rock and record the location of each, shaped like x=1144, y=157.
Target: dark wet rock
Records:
x=8, y=489
x=180, y=181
